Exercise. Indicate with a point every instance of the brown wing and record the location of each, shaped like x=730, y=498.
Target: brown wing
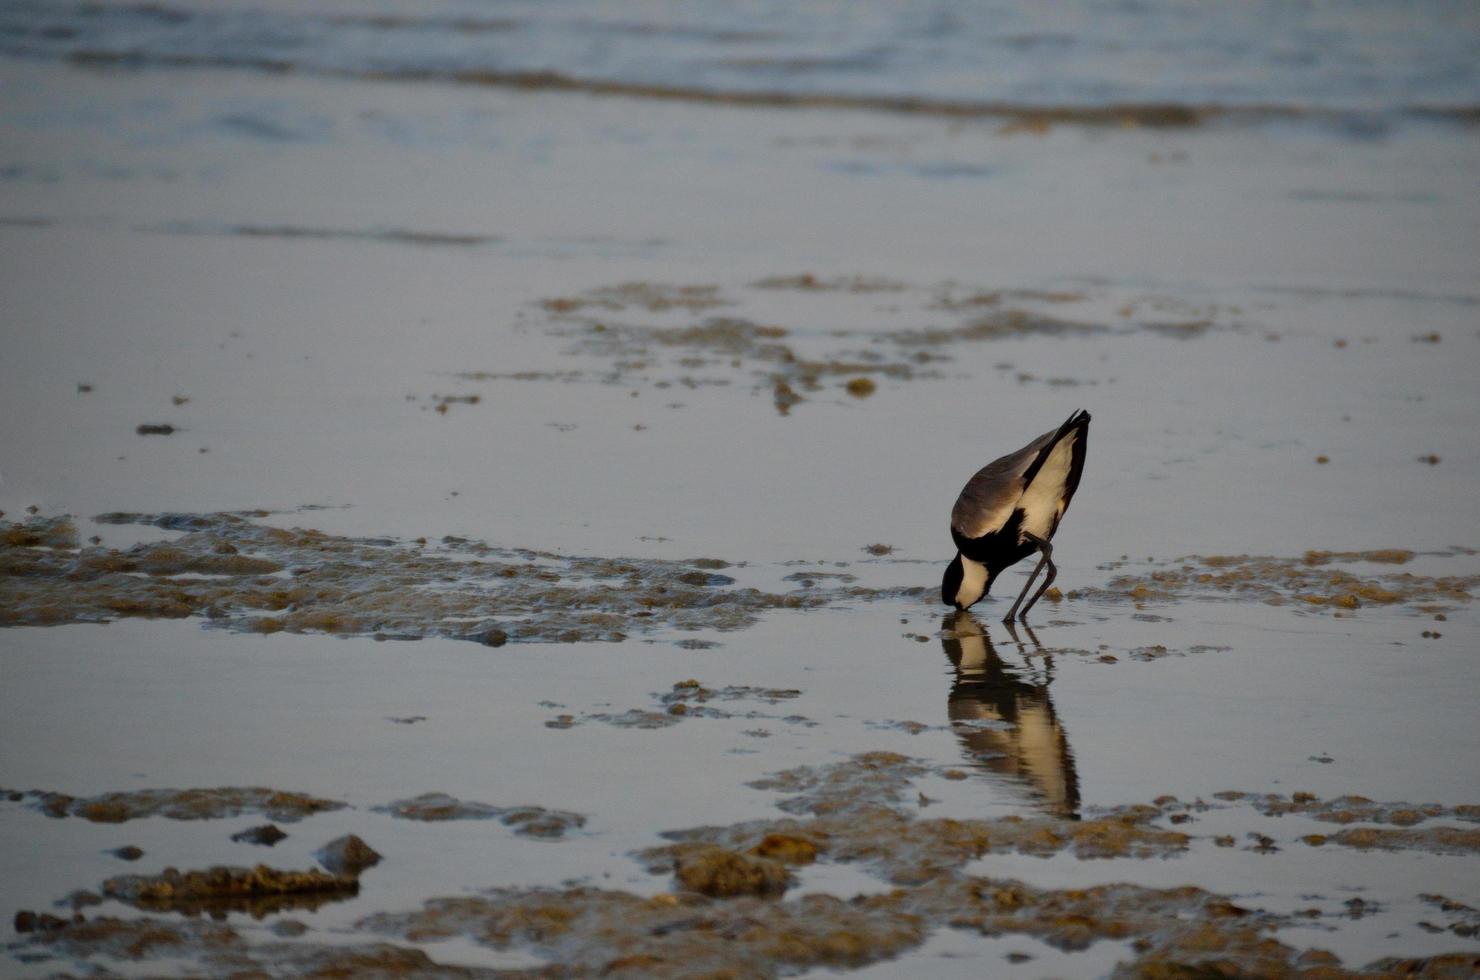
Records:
x=988, y=498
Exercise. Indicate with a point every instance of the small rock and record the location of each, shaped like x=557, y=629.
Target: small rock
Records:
x=536, y=821
x=347, y=855
x=289, y=928
x=127, y=853
x=155, y=429
x=266, y=835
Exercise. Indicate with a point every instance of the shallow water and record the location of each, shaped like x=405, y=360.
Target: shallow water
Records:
x=1300, y=56
x=623, y=331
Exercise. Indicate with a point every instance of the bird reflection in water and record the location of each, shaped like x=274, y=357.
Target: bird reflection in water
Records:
x=1005, y=718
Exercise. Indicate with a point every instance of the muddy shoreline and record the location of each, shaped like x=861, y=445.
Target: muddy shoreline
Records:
x=725, y=911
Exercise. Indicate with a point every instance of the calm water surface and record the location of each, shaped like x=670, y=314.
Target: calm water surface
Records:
x=289, y=235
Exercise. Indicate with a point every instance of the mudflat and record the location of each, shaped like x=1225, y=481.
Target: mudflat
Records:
x=462, y=522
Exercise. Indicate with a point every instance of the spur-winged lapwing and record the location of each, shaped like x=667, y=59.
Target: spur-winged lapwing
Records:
x=1010, y=509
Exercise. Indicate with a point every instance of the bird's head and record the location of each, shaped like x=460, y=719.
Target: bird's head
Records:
x=964, y=582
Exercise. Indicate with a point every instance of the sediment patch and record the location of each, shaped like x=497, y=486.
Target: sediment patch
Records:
x=691, y=699
x=178, y=804
x=728, y=913
x=864, y=810
x=530, y=821
x=1312, y=581
x=258, y=891
x=242, y=575
x=665, y=335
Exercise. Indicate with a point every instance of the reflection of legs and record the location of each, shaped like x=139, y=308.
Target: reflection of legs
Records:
x=1012, y=632
x=1047, y=551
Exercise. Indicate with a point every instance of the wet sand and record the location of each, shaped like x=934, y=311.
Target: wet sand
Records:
x=550, y=490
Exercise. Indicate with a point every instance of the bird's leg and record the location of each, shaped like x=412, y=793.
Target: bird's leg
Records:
x=1019, y=601
x=1046, y=550
x=1053, y=572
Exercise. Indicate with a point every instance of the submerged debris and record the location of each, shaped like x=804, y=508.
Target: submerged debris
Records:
x=1464, y=920
x=1357, y=809
x=530, y=821
x=690, y=699
x=182, y=804
x=631, y=327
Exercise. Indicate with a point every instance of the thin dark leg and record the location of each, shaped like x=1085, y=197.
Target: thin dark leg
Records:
x=1029, y=585
x=1053, y=573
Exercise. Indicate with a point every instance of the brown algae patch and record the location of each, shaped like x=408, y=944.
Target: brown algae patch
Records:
x=181, y=804
x=653, y=334
x=126, y=939
x=246, y=576
x=530, y=821
x=647, y=354
x=589, y=932
x=855, y=811
x=1434, y=840
x=728, y=914
x=721, y=873
x=652, y=297
x=213, y=948
x=1359, y=809
x=38, y=532
x=1312, y=580
x=258, y=891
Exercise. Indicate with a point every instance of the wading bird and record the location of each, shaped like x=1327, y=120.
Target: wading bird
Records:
x=1010, y=509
